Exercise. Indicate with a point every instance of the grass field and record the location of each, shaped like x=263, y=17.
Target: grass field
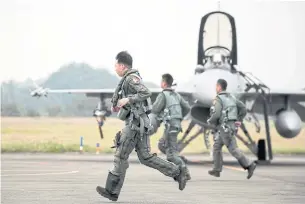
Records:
x=63, y=134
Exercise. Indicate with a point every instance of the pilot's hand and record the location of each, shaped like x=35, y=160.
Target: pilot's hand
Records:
x=208, y=121
x=237, y=123
x=115, y=109
x=122, y=102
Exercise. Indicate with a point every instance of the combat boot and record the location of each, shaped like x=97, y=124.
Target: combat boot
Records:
x=113, y=187
x=188, y=175
x=251, y=169
x=105, y=193
x=214, y=173
x=181, y=178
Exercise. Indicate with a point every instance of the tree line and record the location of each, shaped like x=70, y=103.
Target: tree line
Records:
x=16, y=100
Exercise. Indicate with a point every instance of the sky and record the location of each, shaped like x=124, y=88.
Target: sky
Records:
x=39, y=36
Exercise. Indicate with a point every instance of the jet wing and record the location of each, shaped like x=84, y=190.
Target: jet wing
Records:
x=273, y=95
x=277, y=99
x=108, y=93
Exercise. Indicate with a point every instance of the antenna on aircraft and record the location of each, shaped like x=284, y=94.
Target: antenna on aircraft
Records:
x=218, y=5
x=218, y=28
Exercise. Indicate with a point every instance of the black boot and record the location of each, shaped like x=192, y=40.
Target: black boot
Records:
x=251, y=169
x=214, y=173
x=187, y=175
x=105, y=193
x=113, y=187
x=181, y=178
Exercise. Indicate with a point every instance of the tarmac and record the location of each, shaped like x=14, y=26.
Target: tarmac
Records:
x=72, y=178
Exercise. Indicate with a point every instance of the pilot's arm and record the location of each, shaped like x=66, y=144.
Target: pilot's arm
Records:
x=157, y=107
x=215, y=112
x=142, y=92
x=242, y=110
x=185, y=106
x=159, y=104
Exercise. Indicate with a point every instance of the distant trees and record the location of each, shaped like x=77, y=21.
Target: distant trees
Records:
x=53, y=111
x=32, y=113
x=10, y=109
x=16, y=100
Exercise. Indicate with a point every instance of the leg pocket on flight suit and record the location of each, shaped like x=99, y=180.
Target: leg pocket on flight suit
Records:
x=226, y=138
x=229, y=140
x=171, y=137
x=127, y=143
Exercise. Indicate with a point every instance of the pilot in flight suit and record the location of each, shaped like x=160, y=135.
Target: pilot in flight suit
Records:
x=132, y=96
x=226, y=113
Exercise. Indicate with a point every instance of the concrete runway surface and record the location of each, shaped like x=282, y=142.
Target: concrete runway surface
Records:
x=72, y=178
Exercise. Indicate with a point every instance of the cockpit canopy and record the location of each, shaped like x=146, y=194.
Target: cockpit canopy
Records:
x=217, y=46
x=217, y=32
x=217, y=41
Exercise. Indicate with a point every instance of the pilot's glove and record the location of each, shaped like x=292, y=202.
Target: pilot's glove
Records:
x=115, y=109
x=237, y=123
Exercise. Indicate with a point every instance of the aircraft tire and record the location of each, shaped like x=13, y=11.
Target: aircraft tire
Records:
x=261, y=150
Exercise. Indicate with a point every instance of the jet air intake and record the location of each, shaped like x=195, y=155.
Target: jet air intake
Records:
x=200, y=115
x=288, y=123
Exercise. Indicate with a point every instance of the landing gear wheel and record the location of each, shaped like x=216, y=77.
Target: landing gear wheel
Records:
x=261, y=150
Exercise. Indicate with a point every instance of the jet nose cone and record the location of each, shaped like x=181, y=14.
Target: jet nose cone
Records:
x=205, y=91
x=205, y=84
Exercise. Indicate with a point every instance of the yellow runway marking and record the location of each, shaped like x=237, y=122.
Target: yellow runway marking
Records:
x=234, y=168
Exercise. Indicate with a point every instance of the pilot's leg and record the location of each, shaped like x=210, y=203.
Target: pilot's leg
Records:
x=217, y=155
x=172, y=154
x=162, y=147
x=161, y=144
x=116, y=177
x=153, y=161
x=230, y=141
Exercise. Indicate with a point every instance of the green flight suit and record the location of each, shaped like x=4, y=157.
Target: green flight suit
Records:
x=178, y=109
x=225, y=111
x=132, y=138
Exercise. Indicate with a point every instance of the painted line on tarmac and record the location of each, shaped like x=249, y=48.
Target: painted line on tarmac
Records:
x=42, y=174
x=32, y=170
x=234, y=168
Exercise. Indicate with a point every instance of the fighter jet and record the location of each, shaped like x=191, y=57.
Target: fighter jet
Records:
x=39, y=91
x=216, y=59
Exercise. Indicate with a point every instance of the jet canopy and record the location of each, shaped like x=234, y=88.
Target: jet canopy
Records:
x=217, y=39
x=217, y=32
